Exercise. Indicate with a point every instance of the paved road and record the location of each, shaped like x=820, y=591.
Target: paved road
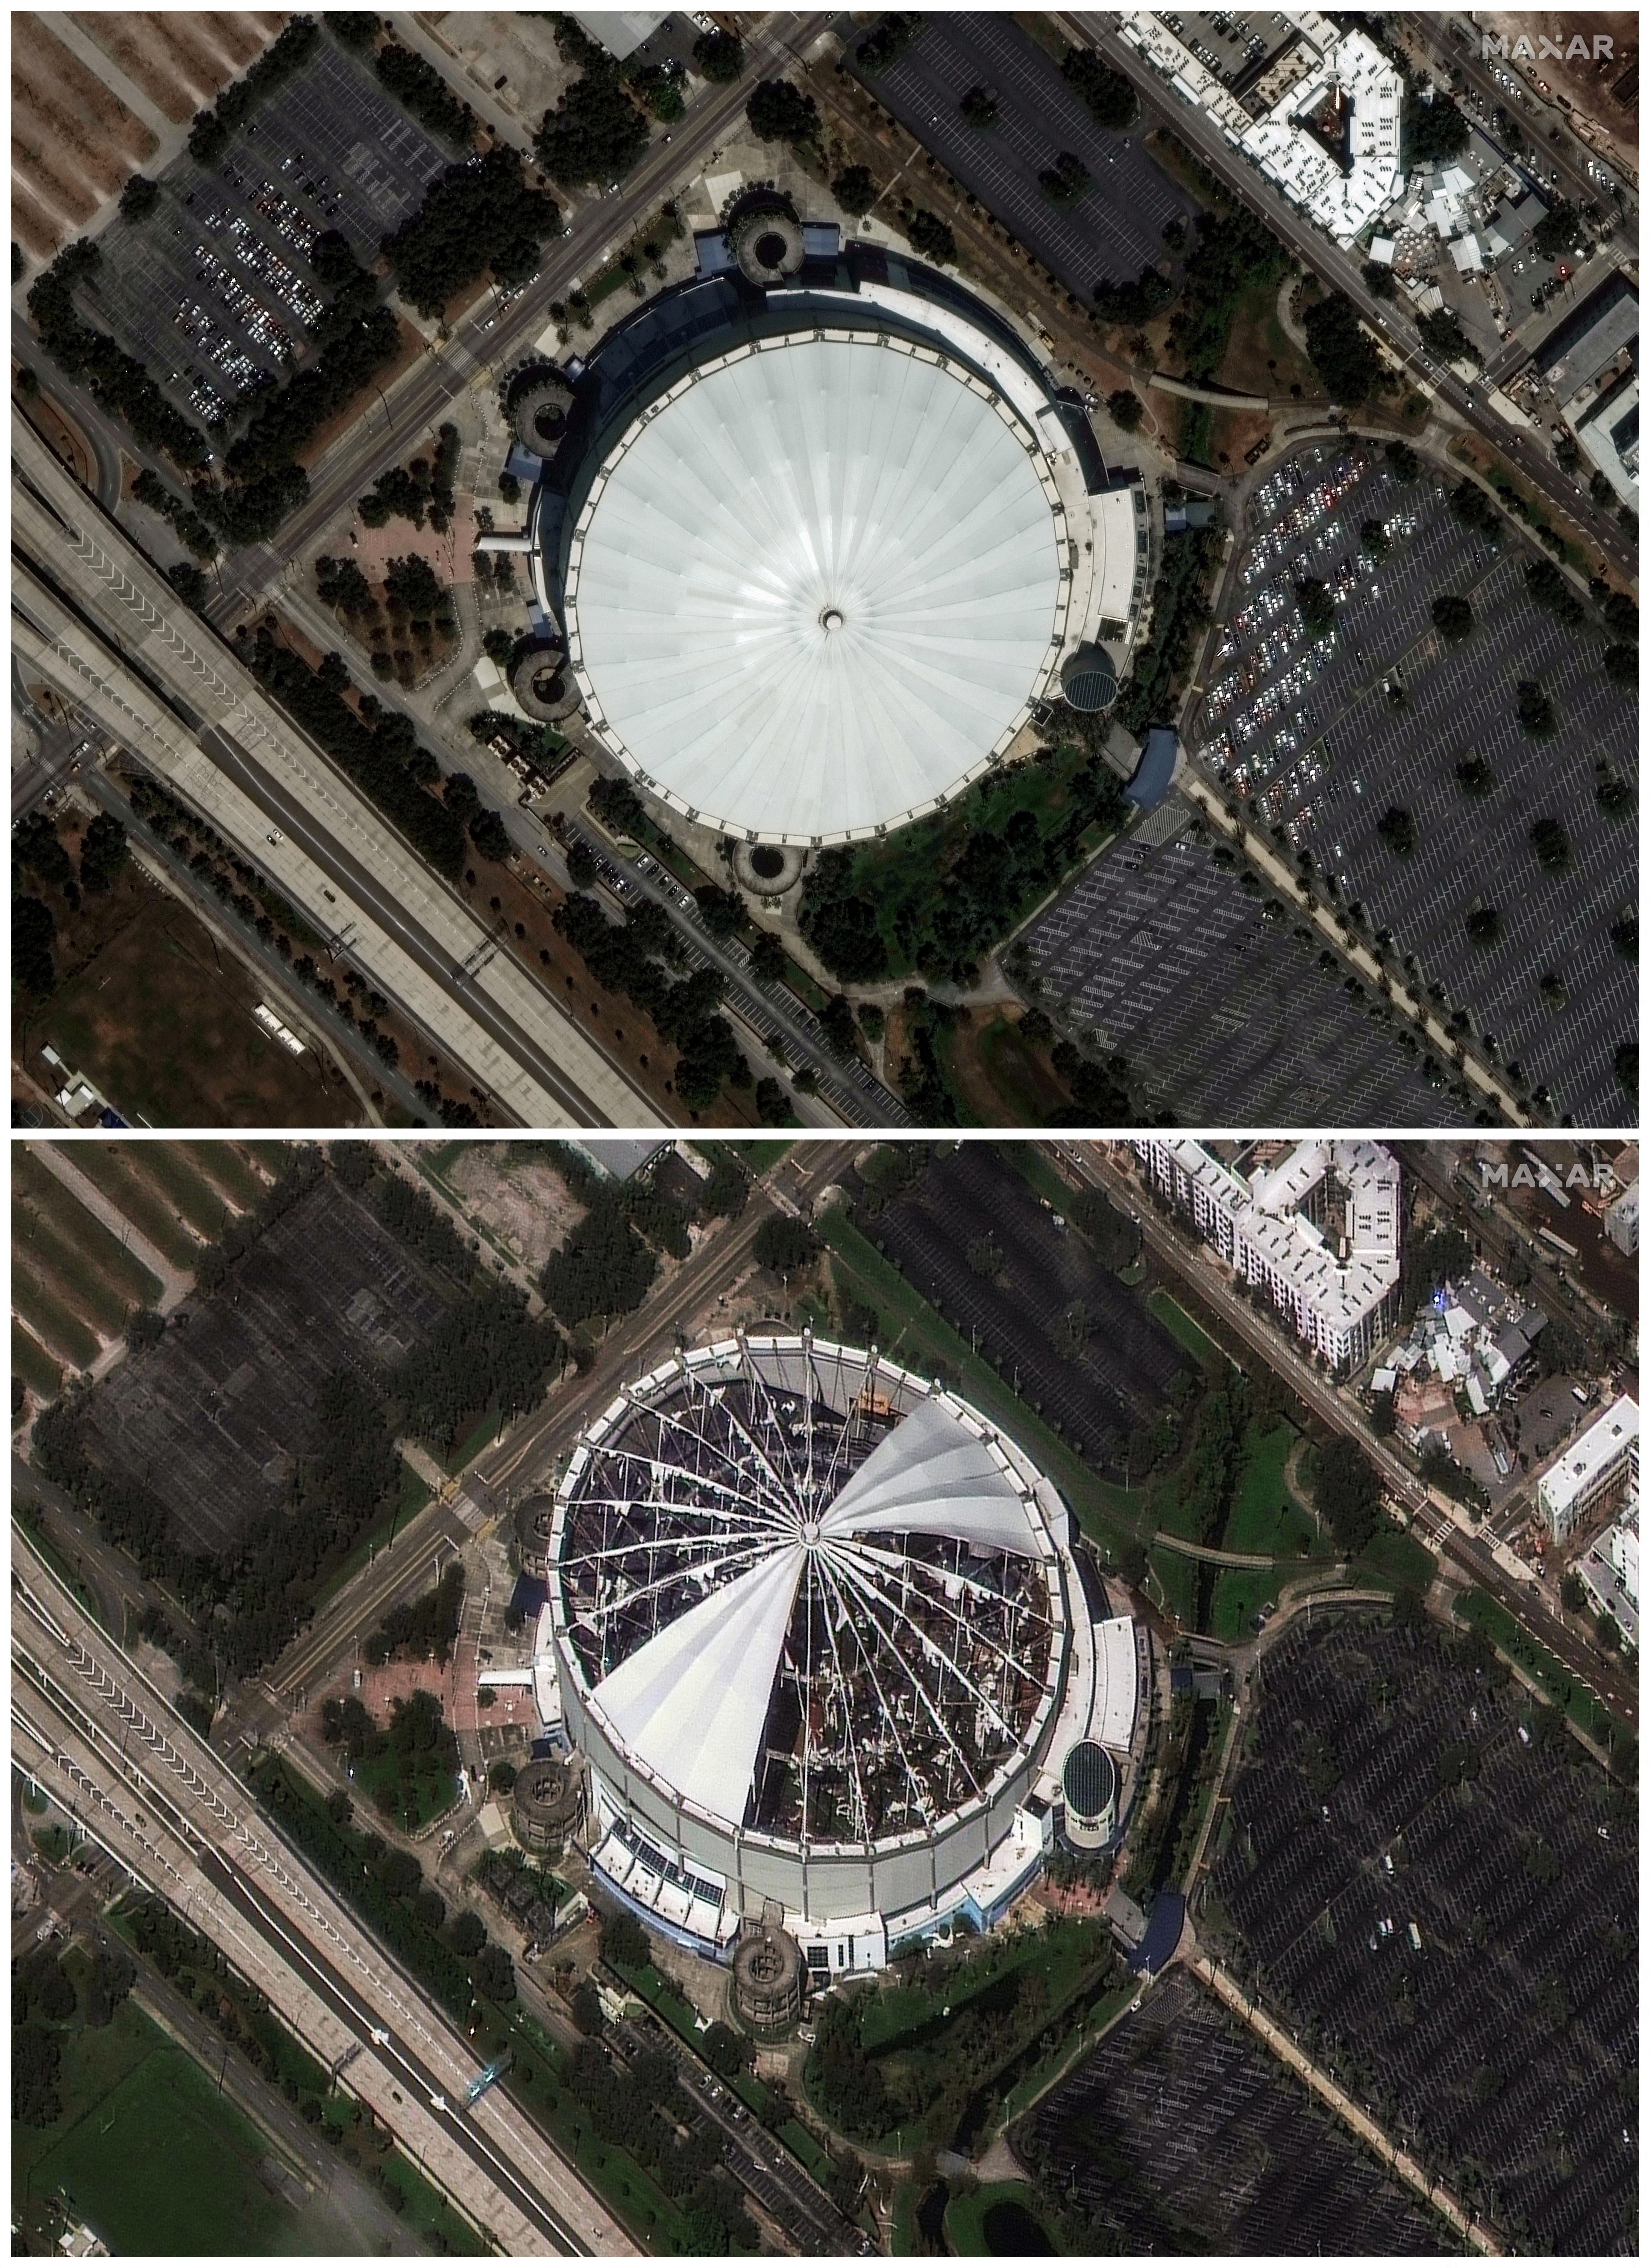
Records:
x=109, y=1746
x=1089, y=1163
x=1319, y=253
x=489, y=341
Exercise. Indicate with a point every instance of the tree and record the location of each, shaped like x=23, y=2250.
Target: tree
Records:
x=773, y=1104
x=722, y=910
x=855, y=190
x=1110, y=97
x=1536, y=711
x=840, y=922
x=625, y=1940
x=1434, y=126
x=1348, y=1493
x=487, y=833
x=1548, y=589
x=1476, y=777
x=784, y=1244
x=1452, y=618
x=102, y=853
x=1342, y=355
x=1374, y=539
x=1572, y=1592
x=1621, y=665
x=1623, y=936
x=1317, y=608
x=145, y=1327
x=779, y=112
x=932, y=237
x=1380, y=280
x=495, y=1974
x=596, y=134
x=586, y=2011
x=1397, y=829
x=1483, y=927
x=1620, y=615
x=466, y=1934
x=34, y=928
x=1402, y=462
x=1550, y=843
x=1626, y=1066
x=1126, y=408
x=719, y=56
x=1558, y=232
x=979, y=108
x=1066, y=180
x=1441, y=331
x=139, y=197
x=767, y=957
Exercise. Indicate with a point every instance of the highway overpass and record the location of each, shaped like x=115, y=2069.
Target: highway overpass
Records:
x=92, y=1730
x=95, y=617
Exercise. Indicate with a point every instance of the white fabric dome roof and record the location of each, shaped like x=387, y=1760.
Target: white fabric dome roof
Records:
x=816, y=587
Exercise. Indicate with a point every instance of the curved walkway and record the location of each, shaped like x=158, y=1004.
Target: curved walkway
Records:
x=1217, y=395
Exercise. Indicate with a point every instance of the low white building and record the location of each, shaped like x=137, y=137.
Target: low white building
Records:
x=1621, y=1222
x=1597, y=1463
x=1321, y=1228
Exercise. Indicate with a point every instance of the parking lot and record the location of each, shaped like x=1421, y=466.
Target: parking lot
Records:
x=1328, y=734
x=1463, y=1957
x=1112, y=231
x=211, y=1418
x=214, y=292
x=1122, y=1374
x=1225, y=1016
x=1179, y=2135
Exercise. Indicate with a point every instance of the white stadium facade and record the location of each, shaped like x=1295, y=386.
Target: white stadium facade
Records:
x=816, y=551
x=824, y=1646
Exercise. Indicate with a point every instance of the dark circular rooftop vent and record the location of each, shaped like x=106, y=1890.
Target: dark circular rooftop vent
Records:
x=1090, y=1780
x=1088, y=678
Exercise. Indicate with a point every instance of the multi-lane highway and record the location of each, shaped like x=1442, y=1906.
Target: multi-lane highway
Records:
x=1089, y=1163
x=87, y=1724
x=93, y=615
x=1319, y=253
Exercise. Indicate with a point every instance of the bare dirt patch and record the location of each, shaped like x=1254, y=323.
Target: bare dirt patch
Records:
x=73, y=142
x=513, y=1190
x=181, y=61
x=494, y=44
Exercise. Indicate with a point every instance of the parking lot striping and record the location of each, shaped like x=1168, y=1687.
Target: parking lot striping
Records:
x=1310, y=731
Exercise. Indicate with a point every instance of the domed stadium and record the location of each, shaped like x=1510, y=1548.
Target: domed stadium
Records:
x=820, y=547
x=819, y=1634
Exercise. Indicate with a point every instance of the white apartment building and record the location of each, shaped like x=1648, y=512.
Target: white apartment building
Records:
x=1335, y=1278
x=1331, y=140
x=1596, y=1464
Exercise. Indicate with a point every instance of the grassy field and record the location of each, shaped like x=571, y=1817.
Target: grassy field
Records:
x=966, y=2219
x=416, y=1800
x=1175, y=1584
x=68, y=1248
x=225, y=1173
x=123, y=1172
x=1397, y=1557
x=1238, y=1594
x=1106, y=1512
x=171, y=1040
x=1479, y=1611
x=56, y=1323
x=1001, y=1078
x=1256, y=340
x=1266, y=1516
x=151, y=2156
x=33, y=1364
x=1180, y=1325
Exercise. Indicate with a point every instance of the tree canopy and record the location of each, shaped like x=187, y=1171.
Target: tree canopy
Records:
x=596, y=134
x=779, y=112
x=475, y=217
x=1342, y=355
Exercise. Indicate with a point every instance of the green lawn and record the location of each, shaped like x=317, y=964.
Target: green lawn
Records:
x=121, y=1171
x=1479, y=1611
x=1180, y=1325
x=181, y=1182
x=966, y=2216
x=1397, y=1557
x=101, y=1278
x=1019, y=1074
x=413, y=1497
x=1238, y=1594
x=150, y=2153
x=418, y=1797
x=57, y=1324
x=33, y=1364
x=1176, y=1585
x=1266, y=1516
x=1107, y=1513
